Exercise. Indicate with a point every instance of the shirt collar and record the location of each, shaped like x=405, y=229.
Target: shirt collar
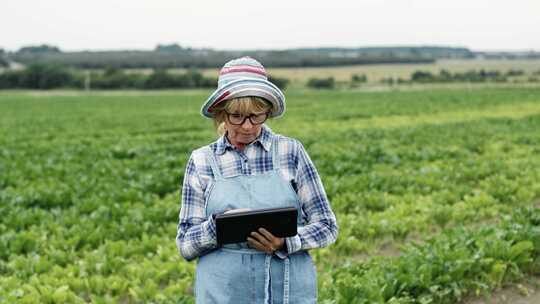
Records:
x=264, y=139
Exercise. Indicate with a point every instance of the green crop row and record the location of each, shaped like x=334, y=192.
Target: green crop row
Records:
x=90, y=189
x=445, y=268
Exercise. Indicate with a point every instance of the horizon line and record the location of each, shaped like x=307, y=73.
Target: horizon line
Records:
x=115, y=49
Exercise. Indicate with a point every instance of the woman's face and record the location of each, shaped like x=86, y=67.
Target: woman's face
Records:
x=242, y=135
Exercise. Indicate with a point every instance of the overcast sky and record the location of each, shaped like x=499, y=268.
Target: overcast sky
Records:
x=277, y=24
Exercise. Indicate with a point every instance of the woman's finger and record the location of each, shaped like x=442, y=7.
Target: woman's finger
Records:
x=277, y=242
x=253, y=242
x=262, y=239
x=257, y=245
x=267, y=234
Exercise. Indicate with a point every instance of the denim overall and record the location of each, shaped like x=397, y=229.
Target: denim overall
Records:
x=235, y=273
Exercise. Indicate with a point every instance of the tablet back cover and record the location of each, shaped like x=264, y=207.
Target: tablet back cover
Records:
x=236, y=227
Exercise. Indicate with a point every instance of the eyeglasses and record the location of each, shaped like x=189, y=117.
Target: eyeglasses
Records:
x=239, y=119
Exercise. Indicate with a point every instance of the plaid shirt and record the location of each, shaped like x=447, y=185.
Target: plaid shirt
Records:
x=197, y=232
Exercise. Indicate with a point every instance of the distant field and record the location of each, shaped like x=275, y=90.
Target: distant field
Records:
x=90, y=187
x=376, y=72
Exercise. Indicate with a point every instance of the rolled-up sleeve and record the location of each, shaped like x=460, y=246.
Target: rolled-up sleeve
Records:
x=321, y=228
x=196, y=233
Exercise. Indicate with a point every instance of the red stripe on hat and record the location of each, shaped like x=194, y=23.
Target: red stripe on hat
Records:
x=219, y=99
x=242, y=68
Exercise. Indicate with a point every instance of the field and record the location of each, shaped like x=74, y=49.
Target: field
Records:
x=376, y=72
x=435, y=191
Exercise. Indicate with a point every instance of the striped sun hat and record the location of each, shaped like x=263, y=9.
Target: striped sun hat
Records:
x=241, y=77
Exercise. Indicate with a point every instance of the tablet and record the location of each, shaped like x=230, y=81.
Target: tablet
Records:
x=235, y=227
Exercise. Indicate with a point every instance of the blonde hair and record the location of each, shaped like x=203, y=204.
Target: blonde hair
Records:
x=242, y=105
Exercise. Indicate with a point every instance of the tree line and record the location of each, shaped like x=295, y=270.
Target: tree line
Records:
x=49, y=76
x=3, y=60
x=176, y=56
x=445, y=76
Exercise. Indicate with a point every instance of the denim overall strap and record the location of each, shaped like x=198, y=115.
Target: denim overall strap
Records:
x=286, y=262
x=275, y=153
x=213, y=163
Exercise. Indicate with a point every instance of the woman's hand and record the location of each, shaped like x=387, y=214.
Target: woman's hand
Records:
x=264, y=241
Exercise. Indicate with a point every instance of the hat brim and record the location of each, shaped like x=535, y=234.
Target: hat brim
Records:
x=246, y=87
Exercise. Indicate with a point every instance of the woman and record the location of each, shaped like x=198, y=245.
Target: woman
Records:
x=251, y=167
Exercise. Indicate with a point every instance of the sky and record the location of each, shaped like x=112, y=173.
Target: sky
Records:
x=74, y=25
